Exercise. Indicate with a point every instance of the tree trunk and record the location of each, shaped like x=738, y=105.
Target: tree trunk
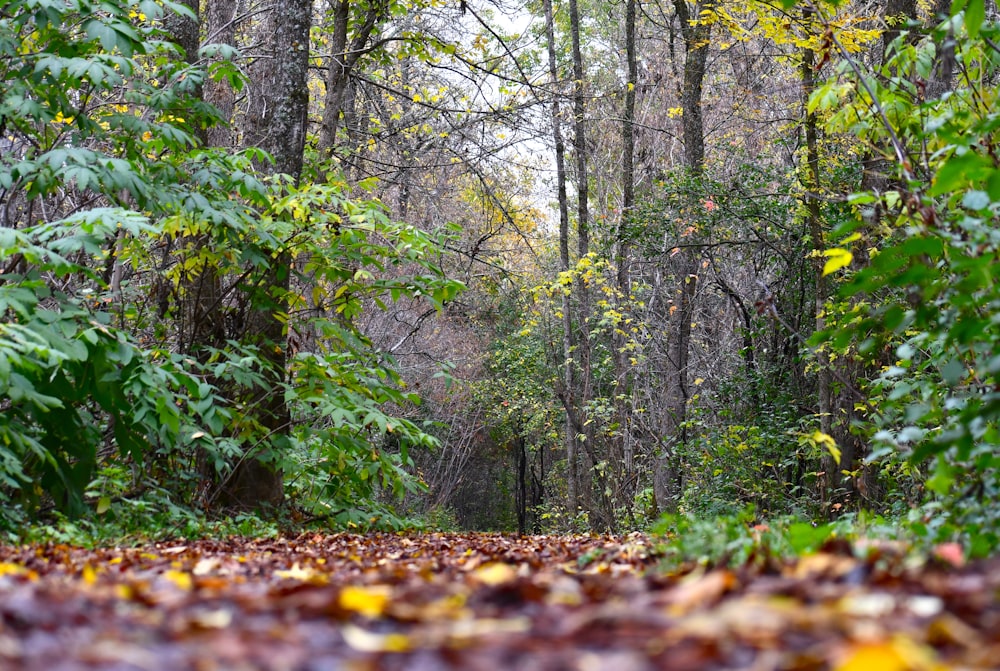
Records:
x=278, y=125
x=667, y=481
x=342, y=61
x=944, y=61
x=601, y=511
x=832, y=481
x=567, y=343
x=696, y=39
x=626, y=473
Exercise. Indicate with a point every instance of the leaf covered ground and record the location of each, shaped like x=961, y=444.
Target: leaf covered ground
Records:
x=485, y=601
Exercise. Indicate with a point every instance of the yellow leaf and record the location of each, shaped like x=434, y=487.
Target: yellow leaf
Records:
x=370, y=601
x=11, y=569
x=837, y=258
x=495, y=574
x=89, y=575
x=825, y=440
x=366, y=641
x=299, y=573
x=179, y=578
x=897, y=654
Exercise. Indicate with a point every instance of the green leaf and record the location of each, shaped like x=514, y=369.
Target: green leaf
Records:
x=942, y=479
x=975, y=14
x=804, y=537
x=959, y=171
x=976, y=200
x=953, y=372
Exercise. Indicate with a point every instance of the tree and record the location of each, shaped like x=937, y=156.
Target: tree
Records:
x=695, y=33
x=280, y=129
x=559, y=147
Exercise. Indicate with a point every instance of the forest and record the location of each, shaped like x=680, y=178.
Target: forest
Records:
x=540, y=267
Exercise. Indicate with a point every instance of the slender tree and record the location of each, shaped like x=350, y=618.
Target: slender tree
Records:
x=622, y=370
x=667, y=481
x=347, y=49
x=563, y=200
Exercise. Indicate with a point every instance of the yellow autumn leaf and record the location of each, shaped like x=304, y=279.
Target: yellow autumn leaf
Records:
x=836, y=259
x=89, y=575
x=11, y=569
x=370, y=601
x=896, y=654
x=299, y=573
x=826, y=441
x=180, y=578
x=366, y=641
x=494, y=574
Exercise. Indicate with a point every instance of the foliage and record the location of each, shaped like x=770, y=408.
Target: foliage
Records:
x=924, y=300
x=71, y=376
x=745, y=538
x=111, y=201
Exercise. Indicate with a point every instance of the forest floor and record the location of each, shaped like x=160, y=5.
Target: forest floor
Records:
x=486, y=601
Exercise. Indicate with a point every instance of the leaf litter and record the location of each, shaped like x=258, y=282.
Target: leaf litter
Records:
x=487, y=601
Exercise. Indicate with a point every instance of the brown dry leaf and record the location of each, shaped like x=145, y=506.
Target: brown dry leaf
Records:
x=699, y=590
x=824, y=565
x=302, y=574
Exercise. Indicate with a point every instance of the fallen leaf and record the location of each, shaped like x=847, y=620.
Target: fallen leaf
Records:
x=370, y=601
x=896, y=654
x=494, y=574
x=363, y=640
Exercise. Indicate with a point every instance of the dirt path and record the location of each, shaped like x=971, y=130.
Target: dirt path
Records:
x=482, y=601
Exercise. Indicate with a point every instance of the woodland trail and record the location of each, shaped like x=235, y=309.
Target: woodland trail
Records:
x=484, y=601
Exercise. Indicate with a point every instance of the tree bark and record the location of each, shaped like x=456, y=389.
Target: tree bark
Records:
x=220, y=20
x=626, y=474
x=563, y=199
x=345, y=56
x=696, y=38
x=668, y=476
x=814, y=228
x=279, y=127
